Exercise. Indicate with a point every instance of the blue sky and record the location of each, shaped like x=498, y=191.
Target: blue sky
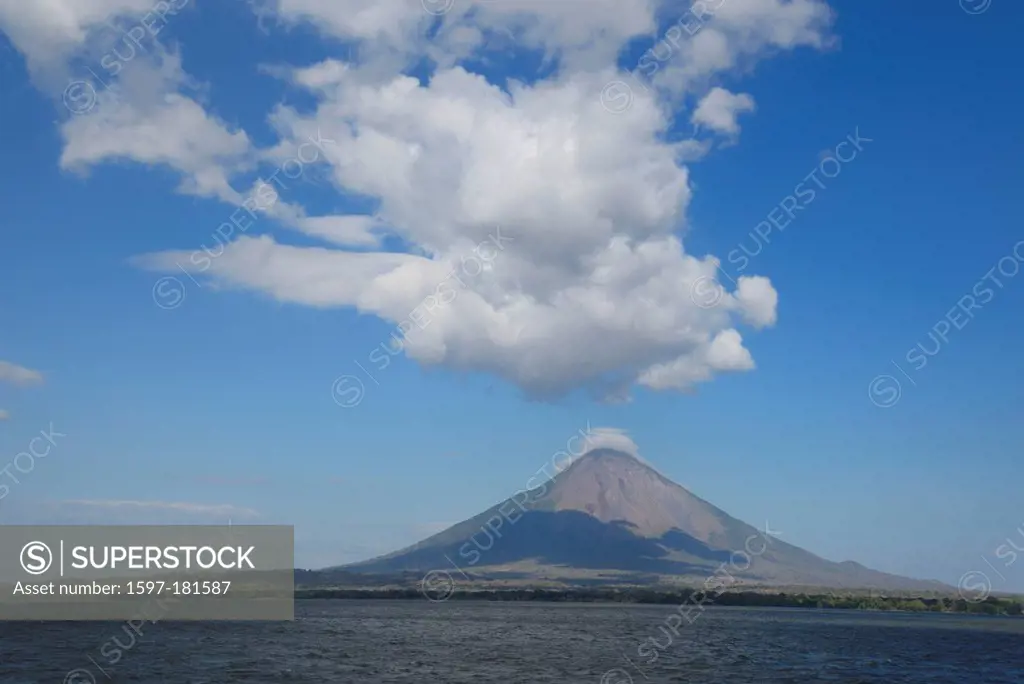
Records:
x=219, y=404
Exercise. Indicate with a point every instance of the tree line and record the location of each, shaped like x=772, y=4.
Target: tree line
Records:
x=991, y=605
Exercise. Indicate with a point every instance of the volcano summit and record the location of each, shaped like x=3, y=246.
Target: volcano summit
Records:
x=611, y=518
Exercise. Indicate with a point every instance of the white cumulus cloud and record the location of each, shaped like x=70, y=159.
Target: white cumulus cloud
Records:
x=543, y=231
x=719, y=109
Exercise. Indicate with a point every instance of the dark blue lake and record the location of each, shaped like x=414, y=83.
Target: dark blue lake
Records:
x=459, y=641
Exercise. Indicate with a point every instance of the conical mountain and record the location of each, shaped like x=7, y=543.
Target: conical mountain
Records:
x=611, y=517
x=615, y=487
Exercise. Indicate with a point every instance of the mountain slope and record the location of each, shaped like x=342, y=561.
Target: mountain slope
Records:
x=609, y=516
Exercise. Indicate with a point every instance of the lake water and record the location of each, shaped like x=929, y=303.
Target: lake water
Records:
x=372, y=642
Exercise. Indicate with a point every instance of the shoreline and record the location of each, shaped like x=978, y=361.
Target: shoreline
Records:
x=902, y=603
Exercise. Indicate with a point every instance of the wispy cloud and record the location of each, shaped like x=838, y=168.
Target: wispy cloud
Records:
x=230, y=481
x=19, y=375
x=432, y=527
x=4, y=415
x=175, y=506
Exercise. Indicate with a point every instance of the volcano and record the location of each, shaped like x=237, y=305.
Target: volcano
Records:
x=609, y=517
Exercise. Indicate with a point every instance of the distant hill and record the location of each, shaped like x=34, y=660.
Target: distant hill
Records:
x=610, y=518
